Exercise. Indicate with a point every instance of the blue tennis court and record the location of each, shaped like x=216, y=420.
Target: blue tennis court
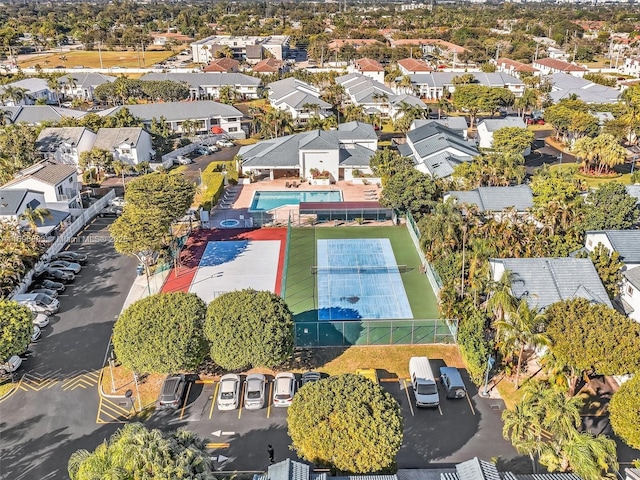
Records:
x=359, y=279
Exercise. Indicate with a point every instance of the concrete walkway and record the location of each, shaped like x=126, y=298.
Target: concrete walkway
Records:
x=141, y=289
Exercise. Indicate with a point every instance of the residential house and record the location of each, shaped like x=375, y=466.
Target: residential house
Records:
x=168, y=38
x=634, y=191
x=545, y=281
x=208, y=115
x=343, y=153
x=457, y=124
x=627, y=244
x=207, y=86
x=298, y=98
x=513, y=67
x=632, y=474
x=65, y=144
x=437, y=150
x=437, y=85
x=410, y=66
x=476, y=469
x=32, y=90
x=487, y=127
x=14, y=202
x=131, y=145
x=432, y=47
x=557, y=53
x=291, y=470
x=269, y=65
x=83, y=85
x=223, y=65
x=565, y=86
x=548, y=66
x=356, y=43
x=631, y=66
x=369, y=68
x=38, y=114
x=249, y=48
x=495, y=199
x=374, y=97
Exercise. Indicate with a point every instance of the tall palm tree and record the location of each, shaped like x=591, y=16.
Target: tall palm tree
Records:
x=278, y=122
x=501, y=301
x=445, y=106
x=70, y=85
x=54, y=86
x=519, y=329
x=33, y=216
x=522, y=427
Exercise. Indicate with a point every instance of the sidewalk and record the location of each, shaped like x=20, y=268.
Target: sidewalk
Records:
x=140, y=289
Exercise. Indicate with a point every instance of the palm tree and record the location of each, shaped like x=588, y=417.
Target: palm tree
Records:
x=519, y=329
x=278, y=122
x=521, y=426
x=70, y=84
x=501, y=301
x=444, y=105
x=33, y=216
x=54, y=85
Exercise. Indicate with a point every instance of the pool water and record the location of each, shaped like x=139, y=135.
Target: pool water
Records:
x=263, y=201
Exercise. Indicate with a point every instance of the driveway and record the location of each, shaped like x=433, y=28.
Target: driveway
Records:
x=54, y=411
x=192, y=171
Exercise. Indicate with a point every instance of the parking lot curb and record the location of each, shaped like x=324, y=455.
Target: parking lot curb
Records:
x=10, y=392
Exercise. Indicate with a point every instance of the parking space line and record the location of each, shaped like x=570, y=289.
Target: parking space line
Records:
x=439, y=409
x=213, y=399
x=473, y=410
x=241, y=399
x=406, y=390
x=186, y=397
x=269, y=399
x=213, y=445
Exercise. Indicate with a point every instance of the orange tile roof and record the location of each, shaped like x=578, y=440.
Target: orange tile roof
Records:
x=560, y=65
x=415, y=65
x=429, y=41
x=517, y=66
x=369, y=65
x=222, y=65
x=268, y=65
x=356, y=42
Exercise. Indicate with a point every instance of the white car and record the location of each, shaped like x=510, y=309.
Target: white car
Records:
x=285, y=386
x=117, y=202
x=10, y=365
x=182, y=160
x=40, y=320
x=225, y=143
x=36, y=333
x=254, y=391
x=229, y=392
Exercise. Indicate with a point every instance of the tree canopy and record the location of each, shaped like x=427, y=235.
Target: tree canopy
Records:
x=171, y=195
x=346, y=422
x=589, y=336
x=249, y=328
x=162, y=333
x=474, y=98
x=410, y=190
x=135, y=452
x=624, y=412
x=610, y=207
x=16, y=327
x=18, y=252
x=512, y=139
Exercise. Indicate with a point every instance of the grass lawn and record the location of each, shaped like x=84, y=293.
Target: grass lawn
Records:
x=149, y=386
x=508, y=392
x=177, y=170
x=91, y=59
x=6, y=387
x=594, y=182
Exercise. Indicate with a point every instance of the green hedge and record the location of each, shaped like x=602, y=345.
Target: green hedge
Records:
x=214, y=182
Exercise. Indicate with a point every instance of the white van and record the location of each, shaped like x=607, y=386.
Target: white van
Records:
x=424, y=384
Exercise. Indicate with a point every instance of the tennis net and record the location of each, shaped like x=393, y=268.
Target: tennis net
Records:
x=359, y=269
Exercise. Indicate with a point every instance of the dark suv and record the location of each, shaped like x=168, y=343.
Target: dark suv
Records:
x=172, y=392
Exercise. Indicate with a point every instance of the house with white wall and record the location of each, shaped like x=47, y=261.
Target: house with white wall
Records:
x=131, y=145
x=207, y=114
x=631, y=66
x=65, y=144
x=495, y=199
x=15, y=201
x=548, y=66
x=487, y=127
x=207, y=85
x=369, y=68
x=437, y=85
x=39, y=114
x=296, y=97
x=342, y=153
x=83, y=85
x=32, y=90
x=410, y=66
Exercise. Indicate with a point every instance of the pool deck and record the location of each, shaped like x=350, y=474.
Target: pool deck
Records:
x=239, y=208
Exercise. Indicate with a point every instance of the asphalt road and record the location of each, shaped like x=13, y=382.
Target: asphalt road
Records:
x=54, y=411
x=192, y=171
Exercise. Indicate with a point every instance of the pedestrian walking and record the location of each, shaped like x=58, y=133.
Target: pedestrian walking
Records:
x=271, y=453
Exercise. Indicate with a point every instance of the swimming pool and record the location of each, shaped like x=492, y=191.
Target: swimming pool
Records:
x=263, y=201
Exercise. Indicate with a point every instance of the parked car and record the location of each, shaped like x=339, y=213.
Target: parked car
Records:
x=172, y=392
x=225, y=143
x=47, y=291
x=56, y=274
x=117, y=202
x=202, y=151
x=182, y=160
x=40, y=320
x=110, y=211
x=38, y=302
x=76, y=257
x=308, y=377
x=229, y=392
x=254, y=391
x=64, y=265
x=10, y=365
x=35, y=336
x=50, y=285
x=284, y=389
x=213, y=148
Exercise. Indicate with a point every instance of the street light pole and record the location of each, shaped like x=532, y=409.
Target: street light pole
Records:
x=490, y=362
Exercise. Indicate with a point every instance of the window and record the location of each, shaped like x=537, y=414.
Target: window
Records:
x=59, y=189
x=126, y=151
x=630, y=291
x=590, y=243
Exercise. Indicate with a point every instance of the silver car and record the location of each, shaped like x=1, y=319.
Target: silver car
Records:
x=229, y=392
x=284, y=388
x=64, y=265
x=254, y=391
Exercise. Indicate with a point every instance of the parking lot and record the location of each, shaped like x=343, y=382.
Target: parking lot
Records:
x=455, y=431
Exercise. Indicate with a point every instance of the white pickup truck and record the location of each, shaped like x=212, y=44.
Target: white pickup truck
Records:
x=10, y=365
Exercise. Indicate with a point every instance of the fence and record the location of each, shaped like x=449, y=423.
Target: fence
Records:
x=285, y=266
x=375, y=332
x=63, y=238
x=432, y=275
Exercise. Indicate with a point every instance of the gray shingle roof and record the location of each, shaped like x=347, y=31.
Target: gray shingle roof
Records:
x=634, y=191
x=178, y=111
x=493, y=124
x=476, y=469
x=496, y=199
x=457, y=124
x=32, y=84
x=109, y=138
x=47, y=172
x=544, y=281
x=625, y=242
x=284, y=87
x=206, y=79
x=442, y=165
x=51, y=137
x=565, y=85
x=90, y=79
x=297, y=100
x=355, y=156
x=442, y=79
x=11, y=200
x=36, y=114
